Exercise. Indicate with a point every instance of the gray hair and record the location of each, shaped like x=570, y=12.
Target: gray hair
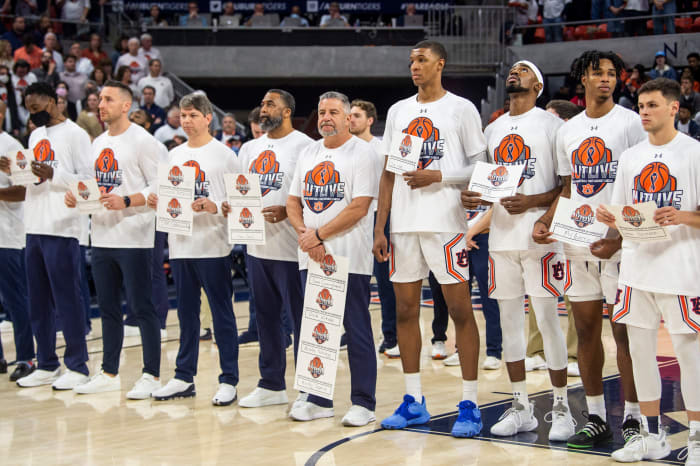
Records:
x=198, y=101
x=146, y=36
x=230, y=115
x=49, y=34
x=133, y=39
x=338, y=96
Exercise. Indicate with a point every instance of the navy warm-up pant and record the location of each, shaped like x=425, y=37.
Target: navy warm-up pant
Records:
x=276, y=286
x=358, y=331
x=53, y=278
x=159, y=289
x=214, y=275
x=13, y=295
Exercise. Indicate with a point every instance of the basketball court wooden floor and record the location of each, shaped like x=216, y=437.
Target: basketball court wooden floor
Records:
x=40, y=426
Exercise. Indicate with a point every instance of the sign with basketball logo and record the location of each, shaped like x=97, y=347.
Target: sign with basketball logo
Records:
x=404, y=153
x=87, y=195
x=494, y=181
x=322, y=326
x=575, y=223
x=176, y=190
x=246, y=223
x=636, y=222
x=21, y=167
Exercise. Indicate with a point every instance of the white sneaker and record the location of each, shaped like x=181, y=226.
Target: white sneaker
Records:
x=563, y=424
x=491, y=363
x=264, y=397
x=69, y=380
x=308, y=411
x=131, y=331
x=453, y=360
x=439, y=350
x=175, y=388
x=99, y=383
x=516, y=419
x=392, y=352
x=535, y=363
x=39, y=377
x=572, y=370
x=358, y=416
x=301, y=399
x=163, y=334
x=6, y=326
x=225, y=395
x=691, y=453
x=644, y=446
x=144, y=387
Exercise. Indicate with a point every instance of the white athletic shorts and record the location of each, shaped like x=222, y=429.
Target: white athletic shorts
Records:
x=593, y=280
x=512, y=274
x=415, y=255
x=645, y=309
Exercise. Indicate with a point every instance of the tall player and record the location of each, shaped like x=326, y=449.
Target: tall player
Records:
x=658, y=279
x=62, y=152
x=427, y=229
x=203, y=259
x=274, y=266
x=126, y=161
x=525, y=136
x=588, y=148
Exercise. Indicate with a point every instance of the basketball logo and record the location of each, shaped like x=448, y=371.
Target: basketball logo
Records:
x=433, y=147
x=175, y=176
x=322, y=187
x=324, y=299
x=83, y=190
x=593, y=167
x=498, y=176
x=512, y=150
x=320, y=333
x=245, y=218
x=174, y=208
x=107, y=172
x=21, y=161
x=632, y=216
x=328, y=265
x=316, y=367
x=45, y=154
x=242, y=185
x=405, y=146
x=267, y=166
x=583, y=216
x=201, y=185
x=655, y=183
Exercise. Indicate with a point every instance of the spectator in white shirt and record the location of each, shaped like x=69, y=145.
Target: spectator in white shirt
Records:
x=553, y=12
x=133, y=60
x=163, y=86
x=82, y=65
x=334, y=19
x=172, y=127
x=147, y=50
x=51, y=45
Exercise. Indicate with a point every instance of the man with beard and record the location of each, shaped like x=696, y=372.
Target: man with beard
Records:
x=274, y=266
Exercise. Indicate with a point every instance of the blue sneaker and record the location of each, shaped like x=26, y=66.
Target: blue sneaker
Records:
x=468, y=423
x=410, y=413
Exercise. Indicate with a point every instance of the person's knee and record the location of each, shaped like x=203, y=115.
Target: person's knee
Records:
x=406, y=312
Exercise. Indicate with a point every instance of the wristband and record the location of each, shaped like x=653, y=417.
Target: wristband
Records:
x=318, y=237
x=127, y=201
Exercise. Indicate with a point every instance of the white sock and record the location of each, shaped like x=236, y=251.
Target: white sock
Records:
x=561, y=395
x=520, y=393
x=469, y=389
x=694, y=427
x=413, y=386
x=632, y=409
x=596, y=405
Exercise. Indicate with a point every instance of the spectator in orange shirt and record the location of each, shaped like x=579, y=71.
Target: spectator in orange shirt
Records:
x=94, y=51
x=501, y=111
x=29, y=52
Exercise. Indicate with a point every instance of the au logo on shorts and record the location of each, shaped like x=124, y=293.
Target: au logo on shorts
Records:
x=107, y=171
x=322, y=187
x=320, y=333
x=512, y=150
x=593, y=167
x=632, y=216
x=583, y=216
x=498, y=176
x=316, y=367
x=245, y=218
x=267, y=166
x=324, y=299
x=433, y=146
x=174, y=208
x=201, y=184
x=655, y=183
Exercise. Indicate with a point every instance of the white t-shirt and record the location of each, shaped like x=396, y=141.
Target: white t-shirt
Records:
x=275, y=161
x=20, y=84
x=58, y=59
x=137, y=64
x=327, y=180
x=11, y=225
x=73, y=10
x=527, y=139
x=164, y=90
x=67, y=148
x=380, y=158
x=125, y=164
x=151, y=54
x=166, y=132
x=209, y=237
x=553, y=8
x=670, y=176
x=451, y=128
x=588, y=150
x=637, y=5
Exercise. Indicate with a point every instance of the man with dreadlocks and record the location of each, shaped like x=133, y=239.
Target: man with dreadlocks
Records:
x=588, y=148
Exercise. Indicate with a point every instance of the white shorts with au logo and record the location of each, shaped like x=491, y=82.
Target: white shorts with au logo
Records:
x=645, y=309
x=513, y=274
x=414, y=255
x=593, y=280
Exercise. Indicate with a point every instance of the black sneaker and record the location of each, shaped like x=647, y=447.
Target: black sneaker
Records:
x=343, y=342
x=247, y=337
x=385, y=346
x=594, y=432
x=3, y=366
x=205, y=334
x=630, y=428
x=23, y=369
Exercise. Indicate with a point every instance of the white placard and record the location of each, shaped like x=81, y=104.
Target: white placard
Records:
x=246, y=223
x=575, y=223
x=322, y=326
x=175, y=197
x=495, y=182
x=636, y=222
x=404, y=153
x=87, y=195
x=243, y=190
x=21, y=167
